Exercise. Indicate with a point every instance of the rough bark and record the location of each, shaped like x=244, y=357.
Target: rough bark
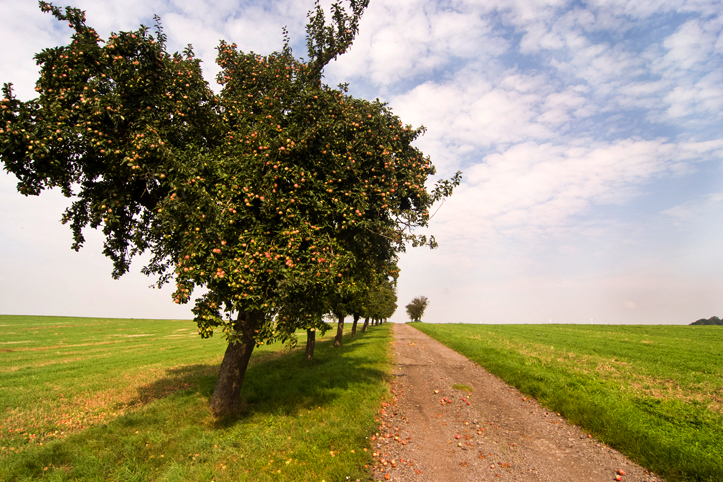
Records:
x=366, y=325
x=310, y=343
x=339, y=330
x=226, y=397
x=353, y=326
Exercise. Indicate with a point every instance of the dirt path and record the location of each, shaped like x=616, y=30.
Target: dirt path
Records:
x=492, y=433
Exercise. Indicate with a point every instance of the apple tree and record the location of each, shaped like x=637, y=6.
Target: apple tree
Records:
x=381, y=301
x=274, y=195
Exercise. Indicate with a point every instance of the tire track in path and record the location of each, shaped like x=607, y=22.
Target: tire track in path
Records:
x=434, y=432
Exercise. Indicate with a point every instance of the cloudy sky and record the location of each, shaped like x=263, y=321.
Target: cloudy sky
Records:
x=590, y=134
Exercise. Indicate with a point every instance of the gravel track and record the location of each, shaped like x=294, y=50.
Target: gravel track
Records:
x=433, y=432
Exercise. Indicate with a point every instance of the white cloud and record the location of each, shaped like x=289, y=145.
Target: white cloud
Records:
x=523, y=12
x=645, y=9
x=696, y=208
x=691, y=46
x=704, y=97
x=470, y=110
x=532, y=190
x=400, y=41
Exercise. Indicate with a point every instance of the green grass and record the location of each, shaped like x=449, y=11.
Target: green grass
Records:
x=462, y=387
x=111, y=399
x=653, y=392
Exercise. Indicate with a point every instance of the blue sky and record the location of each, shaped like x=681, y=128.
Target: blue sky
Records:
x=590, y=135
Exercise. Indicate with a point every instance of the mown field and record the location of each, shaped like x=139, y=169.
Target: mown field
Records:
x=653, y=392
x=127, y=400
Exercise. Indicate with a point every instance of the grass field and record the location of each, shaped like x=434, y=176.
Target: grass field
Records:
x=127, y=400
x=653, y=392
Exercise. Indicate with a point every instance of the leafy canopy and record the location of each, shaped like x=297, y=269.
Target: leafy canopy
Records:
x=381, y=301
x=278, y=192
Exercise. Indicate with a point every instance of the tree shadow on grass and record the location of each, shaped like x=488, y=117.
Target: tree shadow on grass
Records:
x=186, y=377
x=287, y=384
x=175, y=408
x=279, y=380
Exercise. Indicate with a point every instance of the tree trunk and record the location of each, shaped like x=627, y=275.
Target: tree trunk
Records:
x=353, y=326
x=366, y=325
x=226, y=397
x=339, y=330
x=310, y=343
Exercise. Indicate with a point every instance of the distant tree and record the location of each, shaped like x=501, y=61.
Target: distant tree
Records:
x=416, y=308
x=381, y=302
x=713, y=320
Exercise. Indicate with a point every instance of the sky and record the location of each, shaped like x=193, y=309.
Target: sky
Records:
x=589, y=133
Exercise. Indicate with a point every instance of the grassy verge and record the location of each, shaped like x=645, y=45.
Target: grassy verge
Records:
x=653, y=392
x=99, y=399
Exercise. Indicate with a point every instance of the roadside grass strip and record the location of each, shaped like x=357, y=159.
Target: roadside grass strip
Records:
x=653, y=392
x=127, y=400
